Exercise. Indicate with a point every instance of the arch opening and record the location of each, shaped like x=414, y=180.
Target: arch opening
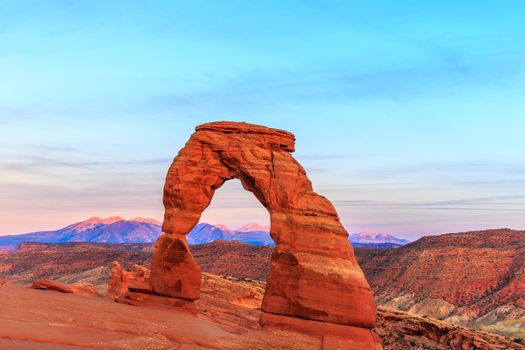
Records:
x=235, y=226
x=234, y=207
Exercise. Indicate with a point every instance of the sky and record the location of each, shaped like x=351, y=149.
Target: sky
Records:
x=409, y=115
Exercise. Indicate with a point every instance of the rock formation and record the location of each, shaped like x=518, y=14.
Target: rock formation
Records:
x=473, y=278
x=400, y=330
x=122, y=281
x=31, y=319
x=85, y=289
x=313, y=274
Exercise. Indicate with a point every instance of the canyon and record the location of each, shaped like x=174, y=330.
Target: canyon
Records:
x=234, y=261
x=475, y=279
x=228, y=310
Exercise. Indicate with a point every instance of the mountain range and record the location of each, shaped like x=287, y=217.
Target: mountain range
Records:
x=369, y=237
x=145, y=230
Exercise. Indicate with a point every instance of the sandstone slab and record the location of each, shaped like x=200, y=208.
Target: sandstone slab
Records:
x=75, y=288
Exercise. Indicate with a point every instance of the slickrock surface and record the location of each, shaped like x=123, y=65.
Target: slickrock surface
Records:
x=227, y=318
x=35, y=319
x=243, y=261
x=75, y=288
x=313, y=272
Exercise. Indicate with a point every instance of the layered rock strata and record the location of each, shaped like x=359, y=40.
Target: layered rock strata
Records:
x=313, y=274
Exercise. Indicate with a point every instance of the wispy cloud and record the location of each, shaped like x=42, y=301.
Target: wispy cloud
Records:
x=476, y=204
x=507, y=182
x=447, y=167
x=254, y=88
x=481, y=200
x=35, y=163
x=370, y=184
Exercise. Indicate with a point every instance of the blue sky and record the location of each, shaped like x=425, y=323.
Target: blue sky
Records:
x=409, y=116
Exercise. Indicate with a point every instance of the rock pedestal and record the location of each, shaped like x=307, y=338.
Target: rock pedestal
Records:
x=313, y=274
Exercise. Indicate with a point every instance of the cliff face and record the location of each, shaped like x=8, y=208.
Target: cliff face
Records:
x=400, y=330
x=466, y=278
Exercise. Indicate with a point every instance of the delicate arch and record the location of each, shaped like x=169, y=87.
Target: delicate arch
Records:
x=313, y=273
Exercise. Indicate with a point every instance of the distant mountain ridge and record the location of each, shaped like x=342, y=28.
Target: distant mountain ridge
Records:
x=110, y=230
x=251, y=233
x=146, y=230
x=136, y=230
x=377, y=238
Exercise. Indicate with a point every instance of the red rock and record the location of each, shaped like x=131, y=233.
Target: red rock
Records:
x=478, y=271
x=76, y=288
x=52, y=285
x=31, y=319
x=141, y=299
x=335, y=336
x=313, y=273
x=400, y=330
x=123, y=281
x=174, y=271
x=252, y=294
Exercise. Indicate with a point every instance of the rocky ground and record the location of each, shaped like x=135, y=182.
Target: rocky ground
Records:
x=226, y=308
x=227, y=318
x=91, y=262
x=474, y=279
x=69, y=262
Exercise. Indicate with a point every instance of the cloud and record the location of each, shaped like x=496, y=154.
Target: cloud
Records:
x=32, y=164
x=267, y=89
x=370, y=184
x=508, y=182
x=446, y=167
x=495, y=203
x=328, y=156
x=481, y=200
x=317, y=170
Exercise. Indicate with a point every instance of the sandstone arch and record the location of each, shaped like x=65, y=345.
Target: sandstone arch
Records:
x=313, y=274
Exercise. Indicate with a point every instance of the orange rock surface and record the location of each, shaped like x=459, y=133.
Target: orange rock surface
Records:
x=122, y=281
x=33, y=319
x=313, y=274
x=479, y=270
x=75, y=288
